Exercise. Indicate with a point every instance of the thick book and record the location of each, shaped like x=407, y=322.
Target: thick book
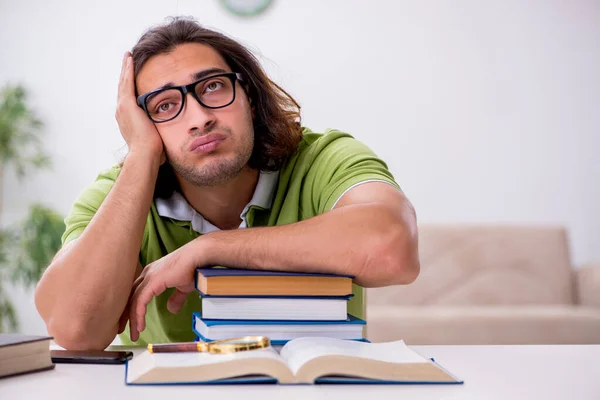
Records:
x=278, y=331
x=21, y=354
x=301, y=361
x=247, y=282
x=276, y=308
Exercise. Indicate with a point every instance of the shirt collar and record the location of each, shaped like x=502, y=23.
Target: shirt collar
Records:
x=176, y=207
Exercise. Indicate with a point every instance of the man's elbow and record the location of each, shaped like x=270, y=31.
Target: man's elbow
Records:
x=397, y=260
x=76, y=335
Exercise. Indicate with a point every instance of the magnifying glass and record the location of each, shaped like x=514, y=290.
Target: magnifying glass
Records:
x=228, y=346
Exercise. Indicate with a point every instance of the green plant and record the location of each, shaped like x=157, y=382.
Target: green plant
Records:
x=8, y=317
x=27, y=248
x=36, y=241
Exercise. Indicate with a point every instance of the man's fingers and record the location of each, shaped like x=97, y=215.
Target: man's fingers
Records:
x=137, y=282
x=146, y=294
x=143, y=294
x=133, y=320
x=124, y=316
x=128, y=87
x=124, y=63
x=133, y=329
x=123, y=321
x=176, y=301
x=123, y=68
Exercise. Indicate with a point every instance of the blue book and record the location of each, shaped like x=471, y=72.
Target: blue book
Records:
x=277, y=343
x=301, y=361
x=246, y=282
x=277, y=331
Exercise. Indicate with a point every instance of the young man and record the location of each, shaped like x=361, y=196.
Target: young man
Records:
x=214, y=146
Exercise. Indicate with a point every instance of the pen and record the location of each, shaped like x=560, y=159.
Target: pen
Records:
x=177, y=347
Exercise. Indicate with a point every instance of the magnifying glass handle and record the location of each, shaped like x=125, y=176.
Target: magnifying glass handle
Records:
x=178, y=347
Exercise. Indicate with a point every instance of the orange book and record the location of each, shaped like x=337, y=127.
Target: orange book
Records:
x=247, y=282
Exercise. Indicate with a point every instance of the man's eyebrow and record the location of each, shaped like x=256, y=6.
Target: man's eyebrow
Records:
x=215, y=70
x=196, y=77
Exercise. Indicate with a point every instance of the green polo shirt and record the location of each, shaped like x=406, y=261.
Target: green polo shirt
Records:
x=324, y=167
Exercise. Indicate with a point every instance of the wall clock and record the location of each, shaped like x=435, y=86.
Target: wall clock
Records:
x=246, y=8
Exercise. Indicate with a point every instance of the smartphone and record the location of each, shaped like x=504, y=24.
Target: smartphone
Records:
x=90, y=356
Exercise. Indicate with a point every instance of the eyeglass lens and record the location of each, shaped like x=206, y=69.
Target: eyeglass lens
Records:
x=213, y=93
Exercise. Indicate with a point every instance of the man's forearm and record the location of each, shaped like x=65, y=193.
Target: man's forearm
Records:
x=375, y=244
x=85, y=289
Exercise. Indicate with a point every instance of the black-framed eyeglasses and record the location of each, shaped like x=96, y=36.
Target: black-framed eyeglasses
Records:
x=215, y=91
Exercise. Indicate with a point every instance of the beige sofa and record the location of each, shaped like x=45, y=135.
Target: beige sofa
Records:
x=490, y=284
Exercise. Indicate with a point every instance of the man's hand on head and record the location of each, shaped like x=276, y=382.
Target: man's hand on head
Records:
x=137, y=129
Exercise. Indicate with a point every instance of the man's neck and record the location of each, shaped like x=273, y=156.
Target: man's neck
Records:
x=222, y=205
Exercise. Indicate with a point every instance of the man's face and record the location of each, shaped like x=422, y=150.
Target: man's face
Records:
x=229, y=130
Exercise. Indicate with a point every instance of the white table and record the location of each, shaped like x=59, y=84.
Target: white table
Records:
x=489, y=372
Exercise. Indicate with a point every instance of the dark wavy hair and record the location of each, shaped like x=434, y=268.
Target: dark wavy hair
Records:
x=277, y=127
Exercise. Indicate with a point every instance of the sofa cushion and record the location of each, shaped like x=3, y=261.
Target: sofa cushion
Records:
x=588, y=285
x=486, y=264
x=461, y=325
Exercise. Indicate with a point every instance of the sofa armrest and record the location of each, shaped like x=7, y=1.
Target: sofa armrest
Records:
x=588, y=285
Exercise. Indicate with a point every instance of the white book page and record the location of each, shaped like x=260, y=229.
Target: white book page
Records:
x=274, y=309
x=146, y=361
x=299, y=351
x=202, y=358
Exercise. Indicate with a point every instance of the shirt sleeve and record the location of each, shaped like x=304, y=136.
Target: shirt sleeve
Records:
x=341, y=163
x=87, y=204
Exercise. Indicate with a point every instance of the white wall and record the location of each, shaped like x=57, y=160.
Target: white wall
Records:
x=484, y=111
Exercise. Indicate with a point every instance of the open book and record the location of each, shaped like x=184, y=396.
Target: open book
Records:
x=303, y=360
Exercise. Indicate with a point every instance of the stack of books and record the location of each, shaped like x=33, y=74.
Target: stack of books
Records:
x=279, y=305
